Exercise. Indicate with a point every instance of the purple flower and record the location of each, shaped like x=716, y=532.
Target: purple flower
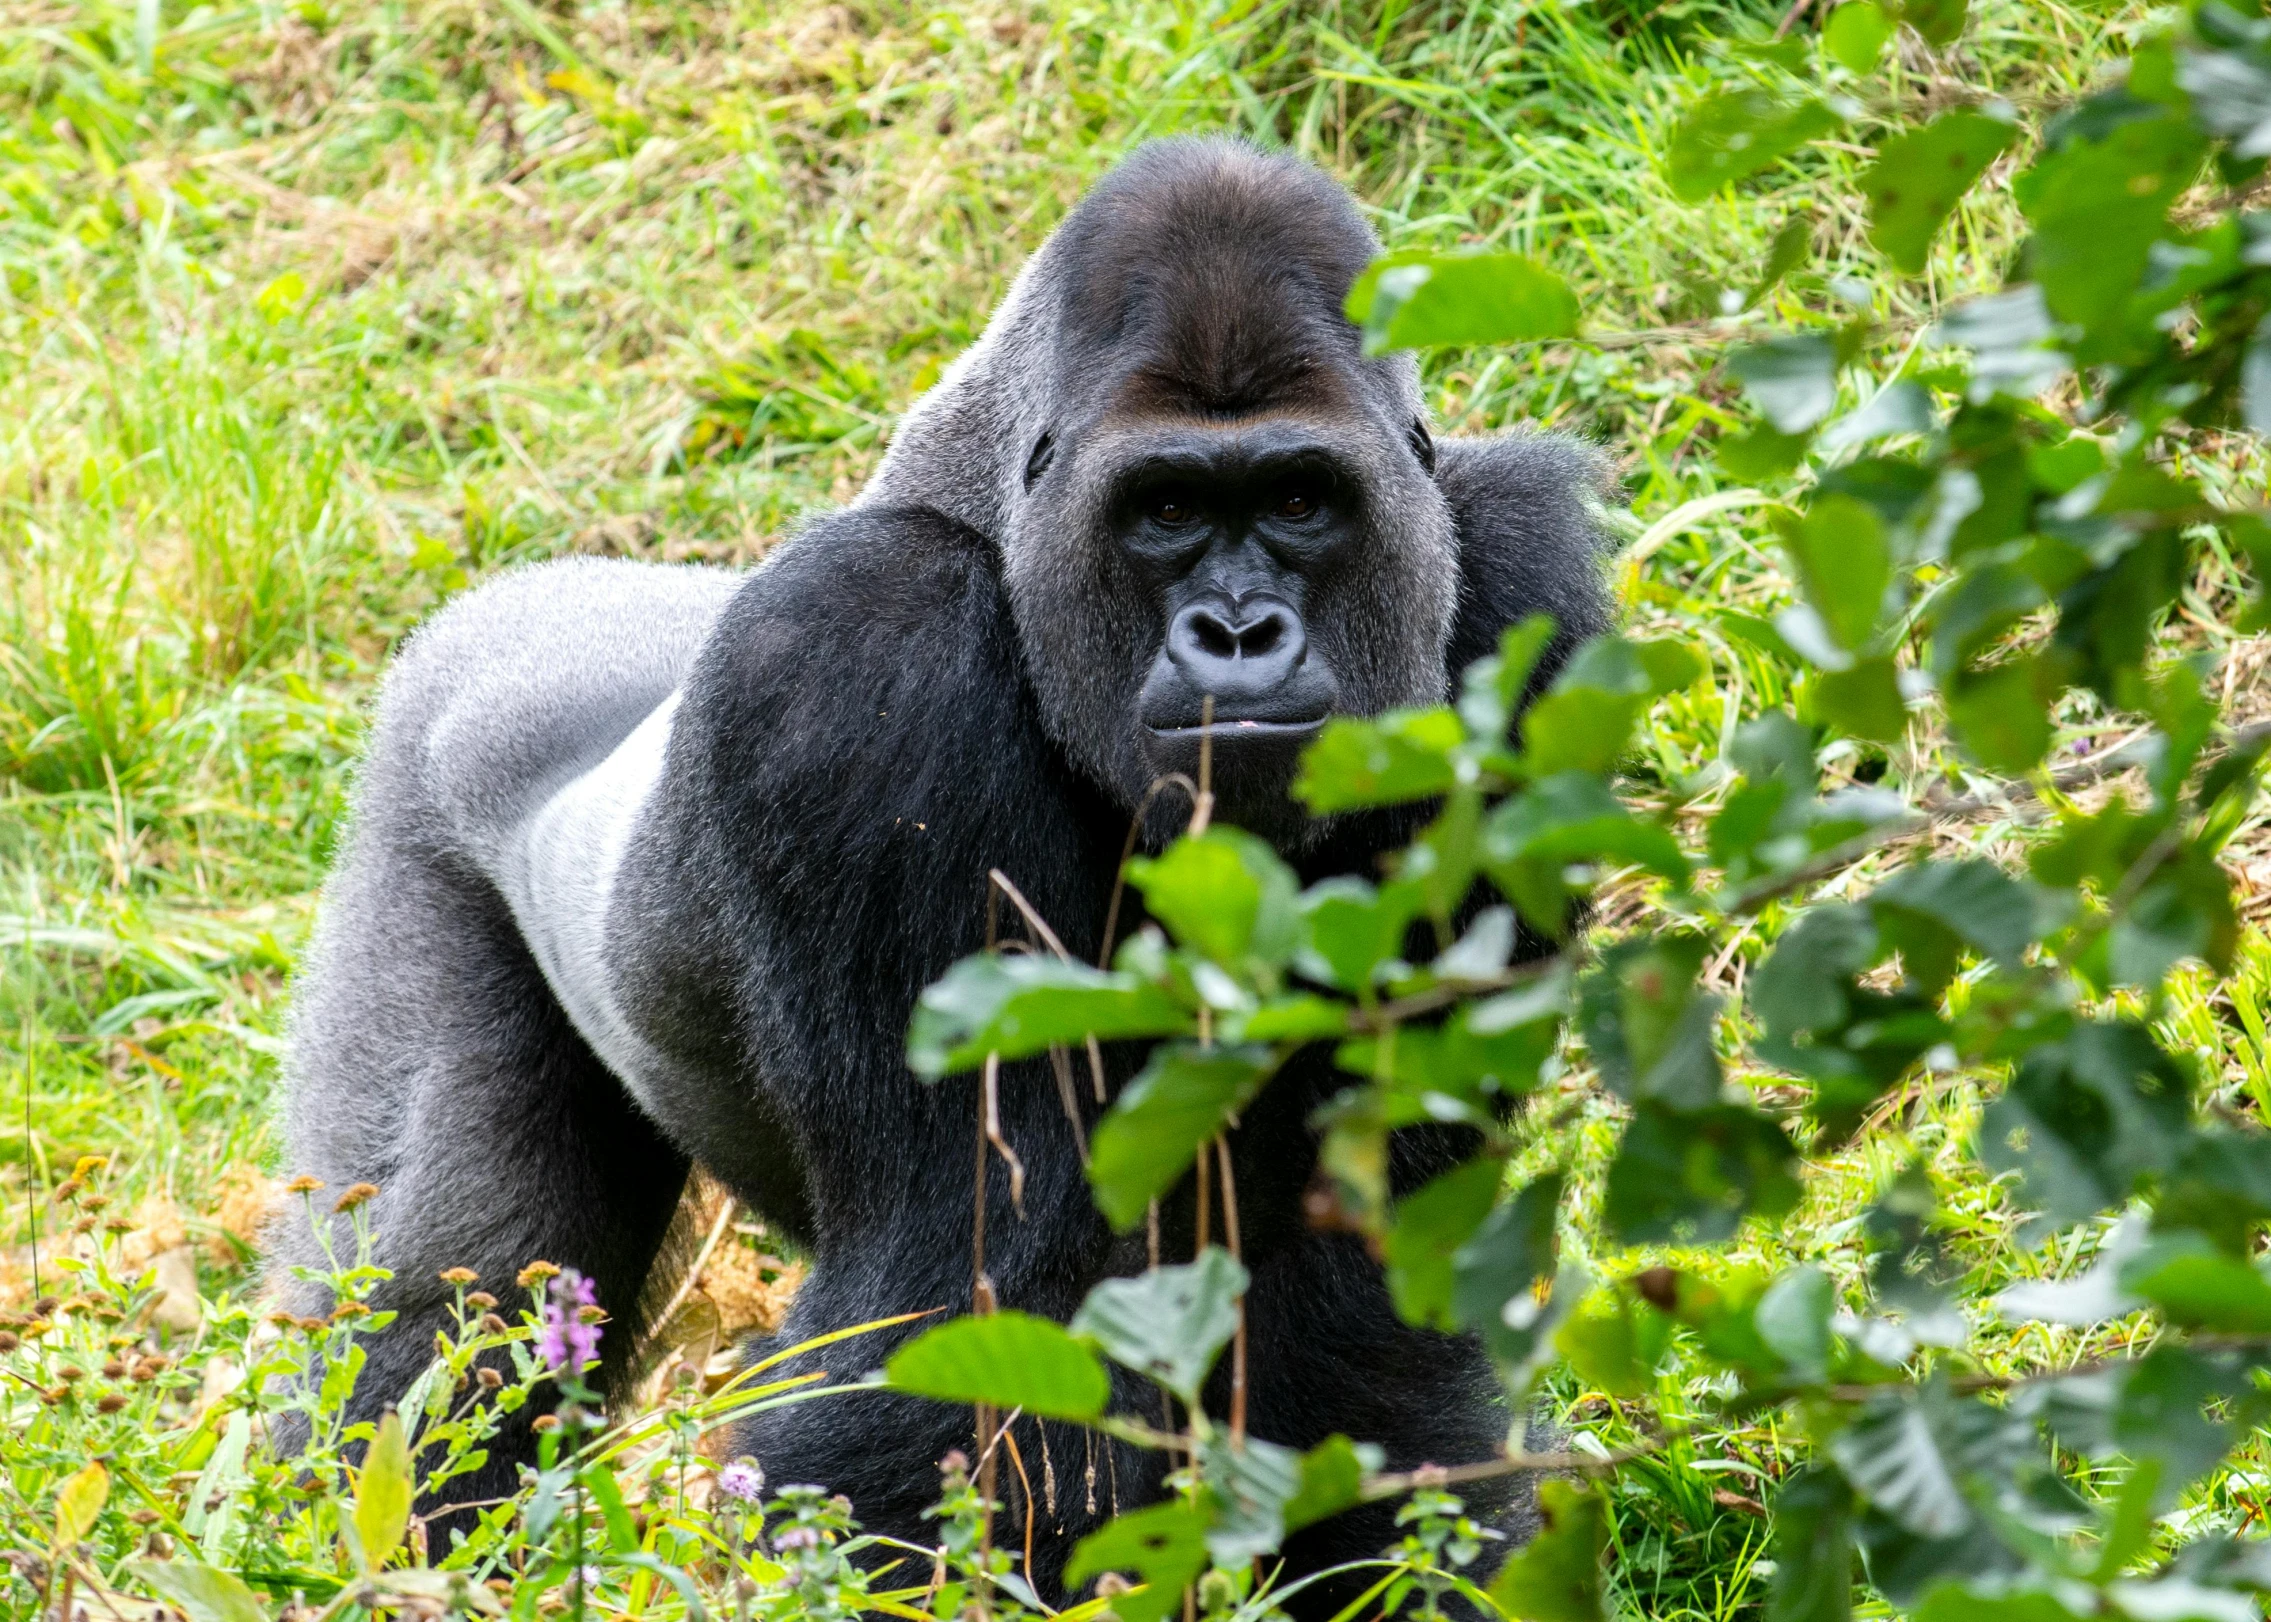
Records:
x=742, y=1479
x=565, y=1339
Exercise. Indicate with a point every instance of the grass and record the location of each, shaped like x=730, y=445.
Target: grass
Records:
x=314, y=313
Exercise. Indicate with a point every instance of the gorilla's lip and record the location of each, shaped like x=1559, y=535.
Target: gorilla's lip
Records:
x=1231, y=729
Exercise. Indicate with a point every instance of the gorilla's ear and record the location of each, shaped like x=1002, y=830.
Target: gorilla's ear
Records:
x=1045, y=452
x=1422, y=443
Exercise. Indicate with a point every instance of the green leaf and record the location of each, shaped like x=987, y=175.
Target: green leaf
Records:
x=1891, y=1454
x=1941, y=22
x=1578, y=729
x=1584, y=721
x=1464, y=1068
x=1910, y=1270
x=1855, y=35
x=1760, y=455
x=1430, y=1224
x=1332, y=1479
x=1223, y=893
x=1737, y=133
x=2087, y=1299
x=1691, y=1176
x=2199, y=1286
x=1783, y=255
x=1921, y=175
x=1415, y=300
x=2098, y=206
x=2085, y=1120
x=1610, y=1347
x=1974, y=900
x=1532, y=839
x=1351, y=930
x=2175, y=1406
x=1249, y=1487
x=1010, y=1359
x=2002, y=715
x=1181, y=1098
x=1303, y=1017
x=1556, y=1577
x=206, y=1593
x=1169, y=1323
x=1646, y=1024
x=383, y=1490
x=1813, y=1547
x=1844, y=564
x=1164, y=1547
x=1021, y=1005
x=599, y=1481
x=1955, y=1602
x=1862, y=701
x=2012, y=337
x=78, y=1501
x=1491, y=690
x=1404, y=755
x=1793, y=1319
x=1495, y=1274
x=1793, y=380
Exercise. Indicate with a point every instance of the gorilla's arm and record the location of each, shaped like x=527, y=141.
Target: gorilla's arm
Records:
x=1530, y=542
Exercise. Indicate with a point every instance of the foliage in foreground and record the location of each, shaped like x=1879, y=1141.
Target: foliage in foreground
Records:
x=1989, y=539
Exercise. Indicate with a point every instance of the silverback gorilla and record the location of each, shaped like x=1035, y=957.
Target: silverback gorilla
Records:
x=649, y=864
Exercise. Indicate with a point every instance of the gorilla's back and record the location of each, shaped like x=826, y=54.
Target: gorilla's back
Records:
x=505, y=697
x=517, y=687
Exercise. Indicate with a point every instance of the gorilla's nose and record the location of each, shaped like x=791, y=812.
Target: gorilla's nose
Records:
x=1237, y=649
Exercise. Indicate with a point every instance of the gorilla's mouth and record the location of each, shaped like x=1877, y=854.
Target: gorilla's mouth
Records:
x=1240, y=730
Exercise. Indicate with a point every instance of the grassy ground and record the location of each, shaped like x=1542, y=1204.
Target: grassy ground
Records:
x=314, y=313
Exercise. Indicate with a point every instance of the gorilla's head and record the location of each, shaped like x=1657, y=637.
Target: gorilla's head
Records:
x=1202, y=489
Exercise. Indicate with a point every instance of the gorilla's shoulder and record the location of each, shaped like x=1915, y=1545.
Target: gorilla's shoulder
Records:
x=869, y=574
x=1528, y=508
x=876, y=633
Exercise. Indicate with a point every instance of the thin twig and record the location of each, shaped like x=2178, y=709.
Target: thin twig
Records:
x=999, y=883
x=2066, y=780
x=1199, y=1195
x=1060, y=1064
x=1202, y=810
x=992, y=1094
x=701, y=1260
x=1127, y=851
x=981, y=1288
x=1238, y=1337
x=1033, y=919
x=1511, y=1463
x=1017, y=1457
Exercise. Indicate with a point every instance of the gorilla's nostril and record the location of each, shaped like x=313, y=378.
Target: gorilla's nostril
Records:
x=1260, y=637
x=1215, y=637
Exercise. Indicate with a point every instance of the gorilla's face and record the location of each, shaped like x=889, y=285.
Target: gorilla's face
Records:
x=1269, y=570
x=1221, y=499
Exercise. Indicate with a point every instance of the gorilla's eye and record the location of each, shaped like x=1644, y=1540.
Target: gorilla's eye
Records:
x=1173, y=507
x=1296, y=504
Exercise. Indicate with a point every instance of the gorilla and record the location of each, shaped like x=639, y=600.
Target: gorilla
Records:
x=648, y=864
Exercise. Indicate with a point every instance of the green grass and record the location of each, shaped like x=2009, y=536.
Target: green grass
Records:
x=313, y=314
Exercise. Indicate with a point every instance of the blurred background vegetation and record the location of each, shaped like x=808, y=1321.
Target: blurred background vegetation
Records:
x=311, y=313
